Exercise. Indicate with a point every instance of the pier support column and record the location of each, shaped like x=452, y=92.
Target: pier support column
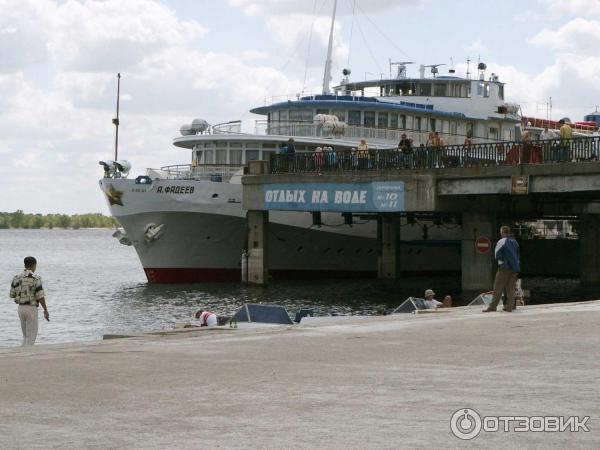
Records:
x=477, y=268
x=388, y=235
x=258, y=269
x=589, y=249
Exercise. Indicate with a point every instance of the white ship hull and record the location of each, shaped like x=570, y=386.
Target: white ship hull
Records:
x=203, y=235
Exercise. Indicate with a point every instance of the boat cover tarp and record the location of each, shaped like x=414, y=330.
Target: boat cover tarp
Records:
x=485, y=298
x=252, y=312
x=410, y=304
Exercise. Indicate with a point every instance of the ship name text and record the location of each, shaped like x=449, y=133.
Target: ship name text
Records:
x=175, y=190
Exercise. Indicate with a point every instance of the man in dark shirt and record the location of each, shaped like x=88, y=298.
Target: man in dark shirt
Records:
x=405, y=147
x=291, y=150
x=508, y=256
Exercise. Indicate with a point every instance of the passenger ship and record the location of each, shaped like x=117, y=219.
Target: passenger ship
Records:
x=187, y=224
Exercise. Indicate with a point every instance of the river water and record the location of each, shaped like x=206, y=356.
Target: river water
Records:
x=96, y=286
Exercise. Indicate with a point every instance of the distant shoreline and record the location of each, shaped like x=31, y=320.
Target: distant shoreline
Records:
x=20, y=220
x=58, y=228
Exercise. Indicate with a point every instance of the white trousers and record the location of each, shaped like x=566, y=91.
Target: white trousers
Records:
x=29, y=323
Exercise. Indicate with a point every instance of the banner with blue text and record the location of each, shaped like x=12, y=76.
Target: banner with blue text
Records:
x=339, y=197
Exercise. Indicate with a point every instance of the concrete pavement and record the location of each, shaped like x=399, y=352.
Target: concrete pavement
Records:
x=378, y=382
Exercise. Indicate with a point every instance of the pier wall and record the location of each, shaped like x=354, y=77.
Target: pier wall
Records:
x=482, y=198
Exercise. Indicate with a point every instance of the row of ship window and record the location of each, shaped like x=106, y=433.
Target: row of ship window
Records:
x=371, y=119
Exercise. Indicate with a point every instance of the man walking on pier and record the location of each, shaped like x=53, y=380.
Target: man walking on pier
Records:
x=27, y=291
x=508, y=257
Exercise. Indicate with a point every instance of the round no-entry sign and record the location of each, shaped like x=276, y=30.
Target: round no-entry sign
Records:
x=483, y=244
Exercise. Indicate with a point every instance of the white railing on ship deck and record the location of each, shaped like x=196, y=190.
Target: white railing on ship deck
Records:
x=208, y=172
x=232, y=127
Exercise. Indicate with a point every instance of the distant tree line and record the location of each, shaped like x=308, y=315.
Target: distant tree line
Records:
x=19, y=219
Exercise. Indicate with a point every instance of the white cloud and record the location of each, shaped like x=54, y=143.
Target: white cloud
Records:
x=570, y=80
x=55, y=127
x=257, y=8
x=561, y=8
x=476, y=46
x=94, y=35
x=580, y=35
x=290, y=22
x=253, y=55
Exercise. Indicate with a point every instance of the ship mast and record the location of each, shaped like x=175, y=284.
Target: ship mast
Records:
x=327, y=74
x=115, y=121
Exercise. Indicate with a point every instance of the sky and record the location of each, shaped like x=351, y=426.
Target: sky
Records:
x=216, y=59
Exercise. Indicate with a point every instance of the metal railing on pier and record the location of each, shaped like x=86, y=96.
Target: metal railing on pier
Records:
x=474, y=155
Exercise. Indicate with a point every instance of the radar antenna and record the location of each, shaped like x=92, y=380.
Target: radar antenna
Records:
x=401, y=68
x=434, y=69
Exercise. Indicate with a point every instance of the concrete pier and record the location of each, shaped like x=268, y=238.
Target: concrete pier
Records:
x=477, y=267
x=388, y=230
x=589, y=250
x=258, y=253
x=378, y=382
x=522, y=192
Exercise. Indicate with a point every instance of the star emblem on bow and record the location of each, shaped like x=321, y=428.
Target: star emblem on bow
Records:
x=114, y=195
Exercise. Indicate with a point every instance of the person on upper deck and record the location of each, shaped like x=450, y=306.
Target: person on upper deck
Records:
x=405, y=148
x=546, y=134
x=362, y=146
x=525, y=138
x=405, y=144
x=566, y=134
x=291, y=149
x=319, y=159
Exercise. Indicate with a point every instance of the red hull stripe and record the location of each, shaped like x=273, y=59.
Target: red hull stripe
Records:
x=188, y=275
x=162, y=275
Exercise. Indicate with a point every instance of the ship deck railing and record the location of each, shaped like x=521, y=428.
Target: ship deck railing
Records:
x=550, y=151
x=376, y=135
x=379, y=135
x=202, y=172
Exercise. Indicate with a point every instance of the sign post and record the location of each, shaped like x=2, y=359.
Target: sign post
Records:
x=483, y=244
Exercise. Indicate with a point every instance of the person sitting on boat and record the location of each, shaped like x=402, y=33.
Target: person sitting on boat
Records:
x=206, y=318
x=432, y=303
